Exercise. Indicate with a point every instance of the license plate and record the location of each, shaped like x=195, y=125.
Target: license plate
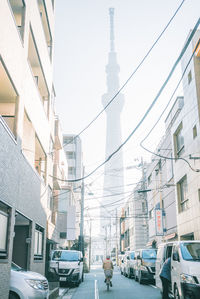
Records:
x=63, y=278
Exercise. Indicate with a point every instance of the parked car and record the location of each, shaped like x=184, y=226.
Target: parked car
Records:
x=185, y=268
x=130, y=262
x=27, y=284
x=68, y=264
x=122, y=265
x=145, y=265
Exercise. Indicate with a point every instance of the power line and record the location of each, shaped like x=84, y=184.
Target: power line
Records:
x=130, y=77
x=149, y=108
x=179, y=82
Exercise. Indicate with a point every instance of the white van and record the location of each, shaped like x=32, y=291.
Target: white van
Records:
x=185, y=268
x=68, y=264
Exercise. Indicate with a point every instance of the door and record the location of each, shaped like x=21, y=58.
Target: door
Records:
x=176, y=269
x=20, y=247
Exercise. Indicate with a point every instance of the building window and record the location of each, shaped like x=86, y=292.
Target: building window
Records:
x=4, y=222
x=70, y=155
x=38, y=248
x=45, y=25
x=69, y=140
x=151, y=214
x=18, y=10
x=189, y=77
x=149, y=179
x=37, y=72
x=179, y=141
x=194, y=132
x=63, y=235
x=71, y=170
x=8, y=100
x=143, y=207
x=183, y=194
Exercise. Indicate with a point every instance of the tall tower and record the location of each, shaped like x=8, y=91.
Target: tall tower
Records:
x=113, y=176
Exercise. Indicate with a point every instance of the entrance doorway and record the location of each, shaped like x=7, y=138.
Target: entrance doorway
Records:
x=21, y=241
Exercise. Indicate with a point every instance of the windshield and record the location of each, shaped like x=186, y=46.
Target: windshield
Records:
x=149, y=254
x=190, y=251
x=70, y=256
x=132, y=255
x=15, y=267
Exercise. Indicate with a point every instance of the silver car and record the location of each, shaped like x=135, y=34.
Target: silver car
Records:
x=27, y=285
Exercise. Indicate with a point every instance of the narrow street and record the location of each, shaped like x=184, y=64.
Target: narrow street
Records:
x=123, y=288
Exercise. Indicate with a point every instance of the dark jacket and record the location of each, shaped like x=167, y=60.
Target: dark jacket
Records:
x=166, y=269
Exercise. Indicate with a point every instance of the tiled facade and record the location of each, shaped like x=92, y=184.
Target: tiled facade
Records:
x=26, y=133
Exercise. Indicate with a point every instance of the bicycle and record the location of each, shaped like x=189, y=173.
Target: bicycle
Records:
x=108, y=275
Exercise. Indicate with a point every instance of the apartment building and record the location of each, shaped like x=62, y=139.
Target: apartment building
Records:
x=26, y=133
x=161, y=195
x=73, y=150
x=186, y=148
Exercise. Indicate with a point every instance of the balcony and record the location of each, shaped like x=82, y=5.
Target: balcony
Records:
x=8, y=100
x=58, y=135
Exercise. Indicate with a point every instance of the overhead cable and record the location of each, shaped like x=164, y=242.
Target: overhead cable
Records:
x=130, y=77
x=148, y=109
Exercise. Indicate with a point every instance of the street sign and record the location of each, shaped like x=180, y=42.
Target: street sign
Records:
x=159, y=222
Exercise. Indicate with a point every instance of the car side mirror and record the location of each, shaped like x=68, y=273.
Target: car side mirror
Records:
x=81, y=259
x=176, y=257
x=122, y=261
x=138, y=257
x=128, y=257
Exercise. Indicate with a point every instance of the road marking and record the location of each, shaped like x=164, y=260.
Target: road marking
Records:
x=96, y=290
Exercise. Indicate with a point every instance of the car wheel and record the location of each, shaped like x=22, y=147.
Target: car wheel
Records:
x=13, y=296
x=176, y=293
x=82, y=277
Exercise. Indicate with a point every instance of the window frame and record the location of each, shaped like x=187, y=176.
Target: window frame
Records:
x=178, y=150
x=182, y=202
x=4, y=251
x=39, y=253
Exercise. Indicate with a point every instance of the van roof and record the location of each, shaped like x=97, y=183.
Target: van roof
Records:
x=178, y=242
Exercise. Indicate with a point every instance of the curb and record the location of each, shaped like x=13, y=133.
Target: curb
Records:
x=64, y=292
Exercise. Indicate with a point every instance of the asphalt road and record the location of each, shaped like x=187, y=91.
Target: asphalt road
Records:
x=94, y=287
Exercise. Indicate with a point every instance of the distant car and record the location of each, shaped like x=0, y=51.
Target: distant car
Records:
x=68, y=264
x=27, y=284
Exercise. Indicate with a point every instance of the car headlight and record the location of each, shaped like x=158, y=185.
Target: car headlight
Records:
x=185, y=278
x=77, y=270
x=143, y=268
x=36, y=284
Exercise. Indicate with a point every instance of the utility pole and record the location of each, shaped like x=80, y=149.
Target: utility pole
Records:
x=90, y=248
x=81, y=237
x=116, y=240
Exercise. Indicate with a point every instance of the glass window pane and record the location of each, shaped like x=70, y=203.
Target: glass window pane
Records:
x=36, y=242
x=3, y=234
x=39, y=243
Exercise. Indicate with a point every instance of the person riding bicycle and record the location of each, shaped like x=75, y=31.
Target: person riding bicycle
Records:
x=108, y=265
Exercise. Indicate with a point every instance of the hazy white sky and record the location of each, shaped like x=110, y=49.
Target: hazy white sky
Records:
x=81, y=54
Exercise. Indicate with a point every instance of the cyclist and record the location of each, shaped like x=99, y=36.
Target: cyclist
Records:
x=108, y=265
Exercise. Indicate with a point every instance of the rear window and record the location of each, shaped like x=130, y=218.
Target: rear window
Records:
x=149, y=254
x=69, y=256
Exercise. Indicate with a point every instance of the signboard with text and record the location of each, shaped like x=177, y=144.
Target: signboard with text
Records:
x=159, y=222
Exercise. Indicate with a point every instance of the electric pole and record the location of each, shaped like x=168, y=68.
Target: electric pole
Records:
x=81, y=237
